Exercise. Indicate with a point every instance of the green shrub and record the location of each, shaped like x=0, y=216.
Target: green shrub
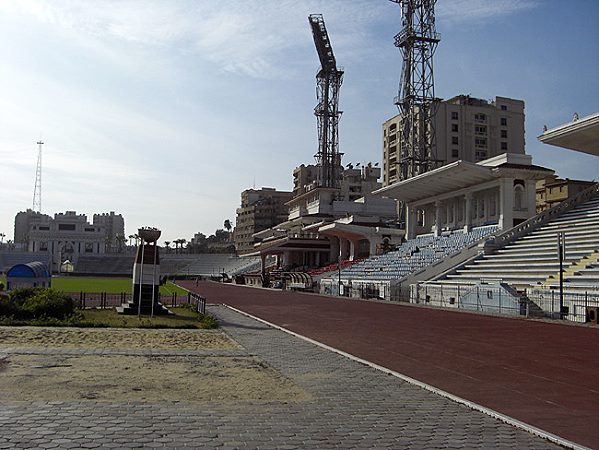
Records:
x=208, y=322
x=37, y=303
x=18, y=296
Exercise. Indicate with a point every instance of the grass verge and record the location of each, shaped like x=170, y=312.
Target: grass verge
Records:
x=106, y=284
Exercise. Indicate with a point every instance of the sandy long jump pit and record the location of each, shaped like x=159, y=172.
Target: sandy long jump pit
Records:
x=66, y=364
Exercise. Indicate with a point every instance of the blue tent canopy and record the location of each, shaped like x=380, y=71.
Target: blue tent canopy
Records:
x=34, y=269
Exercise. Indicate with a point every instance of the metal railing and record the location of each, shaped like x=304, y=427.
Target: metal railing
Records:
x=576, y=305
x=579, y=307
x=104, y=300
x=198, y=301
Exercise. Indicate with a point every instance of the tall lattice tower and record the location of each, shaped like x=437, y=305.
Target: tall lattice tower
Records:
x=37, y=190
x=417, y=42
x=328, y=84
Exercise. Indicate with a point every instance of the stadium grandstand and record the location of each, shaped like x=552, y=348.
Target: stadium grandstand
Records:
x=545, y=265
x=9, y=259
x=204, y=265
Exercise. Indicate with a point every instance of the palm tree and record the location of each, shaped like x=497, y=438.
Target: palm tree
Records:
x=227, y=225
x=120, y=240
x=182, y=241
x=166, y=244
x=2, y=236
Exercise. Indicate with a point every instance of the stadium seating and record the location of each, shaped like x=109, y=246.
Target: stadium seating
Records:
x=532, y=260
x=172, y=265
x=9, y=259
x=415, y=254
x=116, y=265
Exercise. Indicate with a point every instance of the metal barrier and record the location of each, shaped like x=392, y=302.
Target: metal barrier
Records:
x=498, y=298
x=198, y=301
x=577, y=306
x=105, y=300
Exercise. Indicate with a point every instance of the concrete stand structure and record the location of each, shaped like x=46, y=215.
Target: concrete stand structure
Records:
x=146, y=276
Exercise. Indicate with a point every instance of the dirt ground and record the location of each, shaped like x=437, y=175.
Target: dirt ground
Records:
x=114, y=338
x=130, y=378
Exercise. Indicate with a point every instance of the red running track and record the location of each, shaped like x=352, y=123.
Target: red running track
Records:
x=544, y=374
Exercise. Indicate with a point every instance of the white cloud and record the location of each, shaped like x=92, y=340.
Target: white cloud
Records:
x=458, y=11
x=248, y=37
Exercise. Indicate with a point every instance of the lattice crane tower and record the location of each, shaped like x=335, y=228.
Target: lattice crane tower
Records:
x=37, y=190
x=328, y=84
x=417, y=42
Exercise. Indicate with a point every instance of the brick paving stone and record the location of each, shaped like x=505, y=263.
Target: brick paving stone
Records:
x=350, y=405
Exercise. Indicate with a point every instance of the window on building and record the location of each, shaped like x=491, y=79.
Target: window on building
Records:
x=454, y=127
x=43, y=246
x=504, y=134
x=503, y=107
x=480, y=155
x=480, y=142
x=503, y=121
x=454, y=115
x=455, y=153
x=480, y=129
x=454, y=140
x=504, y=146
x=89, y=247
x=480, y=117
x=66, y=227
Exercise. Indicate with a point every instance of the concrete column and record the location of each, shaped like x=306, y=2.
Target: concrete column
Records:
x=263, y=264
x=352, y=250
x=437, y=218
x=531, y=197
x=344, y=248
x=411, y=220
x=506, y=203
x=372, y=240
x=487, y=207
x=468, y=212
x=334, y=252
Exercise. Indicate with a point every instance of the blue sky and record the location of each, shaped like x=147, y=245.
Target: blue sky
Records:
x=165, y=111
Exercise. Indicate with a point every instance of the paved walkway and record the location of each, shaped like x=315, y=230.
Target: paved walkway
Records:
x=544, y=374
x=349, y=405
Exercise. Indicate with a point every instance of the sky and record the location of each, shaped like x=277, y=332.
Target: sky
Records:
x=165, y=111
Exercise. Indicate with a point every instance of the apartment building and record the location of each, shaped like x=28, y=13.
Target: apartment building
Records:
x=466, y=128
x=260, y=209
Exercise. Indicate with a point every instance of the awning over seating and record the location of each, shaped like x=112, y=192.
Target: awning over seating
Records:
x=581, y=135
x=452, y=177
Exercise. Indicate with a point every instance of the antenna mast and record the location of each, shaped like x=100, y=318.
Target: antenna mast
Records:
x=416, y=101
x=328, y=84
x=37, y=190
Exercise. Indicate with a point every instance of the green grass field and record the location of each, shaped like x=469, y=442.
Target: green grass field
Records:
x=103, y=284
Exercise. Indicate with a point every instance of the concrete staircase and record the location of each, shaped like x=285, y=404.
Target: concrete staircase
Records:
x=532, y=260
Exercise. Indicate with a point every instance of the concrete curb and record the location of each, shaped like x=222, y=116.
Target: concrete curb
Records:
x=474, y=406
